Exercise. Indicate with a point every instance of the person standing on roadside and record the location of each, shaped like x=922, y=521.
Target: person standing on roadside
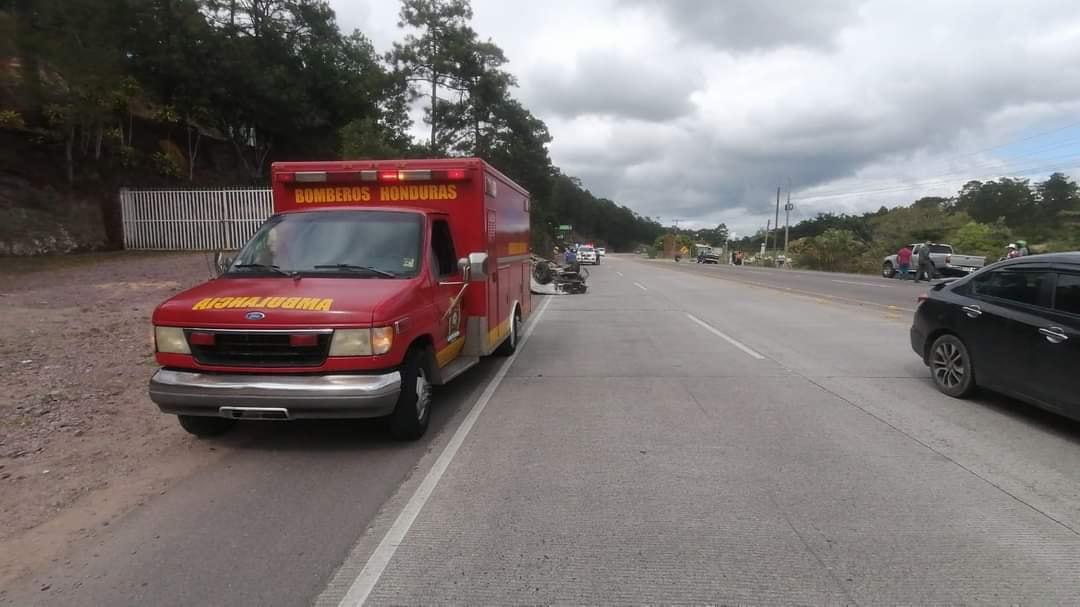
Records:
x=925, y=268
x=903, y=259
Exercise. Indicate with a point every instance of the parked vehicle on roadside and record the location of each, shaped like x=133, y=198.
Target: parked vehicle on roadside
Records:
x=372, y=282
x=943, y=261
x=601, y=251
x=1013, y=328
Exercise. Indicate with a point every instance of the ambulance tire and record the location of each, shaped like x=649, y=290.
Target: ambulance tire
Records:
x=205, y=427
x=510, y=344
x=412, y=414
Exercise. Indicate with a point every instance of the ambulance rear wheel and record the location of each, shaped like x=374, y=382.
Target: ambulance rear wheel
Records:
x=205, y=427
x=509, y=346
x=412, y=414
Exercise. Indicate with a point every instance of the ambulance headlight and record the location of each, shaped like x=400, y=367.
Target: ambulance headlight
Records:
x=362, y=342
x=171, y=340
x=351, y=342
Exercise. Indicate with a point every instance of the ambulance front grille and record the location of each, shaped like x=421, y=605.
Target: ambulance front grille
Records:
x=261, y=350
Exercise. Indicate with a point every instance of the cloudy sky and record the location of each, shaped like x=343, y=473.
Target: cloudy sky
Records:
x=696, y=110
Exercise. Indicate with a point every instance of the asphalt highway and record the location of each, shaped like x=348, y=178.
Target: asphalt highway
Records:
x=858, y=289
x=680, y=434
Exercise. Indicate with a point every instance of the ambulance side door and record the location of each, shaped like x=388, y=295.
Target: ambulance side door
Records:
x=447, y=294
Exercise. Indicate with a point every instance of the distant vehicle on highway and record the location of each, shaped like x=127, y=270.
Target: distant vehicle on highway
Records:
x=587, y=255
x=707, y=254
x=943, y=261
x=1013, y=327
x=601, y=251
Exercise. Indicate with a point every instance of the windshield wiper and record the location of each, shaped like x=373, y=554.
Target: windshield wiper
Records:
x=349, y=267
x=267, y=267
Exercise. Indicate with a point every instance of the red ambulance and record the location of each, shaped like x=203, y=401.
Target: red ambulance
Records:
x=372, y=282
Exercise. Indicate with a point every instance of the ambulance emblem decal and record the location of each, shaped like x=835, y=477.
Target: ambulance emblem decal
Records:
x=254, y=316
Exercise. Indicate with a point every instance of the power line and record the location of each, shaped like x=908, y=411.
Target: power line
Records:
x=1032, y=155
x=1029, y=137
x=1014, y=166
x=1060, y=163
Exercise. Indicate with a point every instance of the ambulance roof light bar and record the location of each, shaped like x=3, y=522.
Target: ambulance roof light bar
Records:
x=392, y=176
x=422, y=175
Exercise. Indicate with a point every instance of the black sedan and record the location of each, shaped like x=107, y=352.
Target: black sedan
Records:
x=1013, y=327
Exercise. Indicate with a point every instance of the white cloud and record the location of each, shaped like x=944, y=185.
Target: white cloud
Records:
x=697, y=110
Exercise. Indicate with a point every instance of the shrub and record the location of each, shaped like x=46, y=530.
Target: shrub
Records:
x=166, y=165
x=129, y=156
x=10, y=119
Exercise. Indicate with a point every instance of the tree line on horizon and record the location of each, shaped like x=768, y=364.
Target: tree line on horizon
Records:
x=275, y=80
x=982, y=219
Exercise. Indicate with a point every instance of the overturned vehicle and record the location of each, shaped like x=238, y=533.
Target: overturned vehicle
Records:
x=550, y=278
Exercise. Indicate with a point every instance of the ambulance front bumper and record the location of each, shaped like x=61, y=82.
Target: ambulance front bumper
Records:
x=243, y=396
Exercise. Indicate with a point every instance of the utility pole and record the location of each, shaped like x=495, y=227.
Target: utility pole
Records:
x=787, y=225
x=776, y=222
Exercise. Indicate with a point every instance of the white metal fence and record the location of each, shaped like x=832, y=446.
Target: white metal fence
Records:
x=192, y=220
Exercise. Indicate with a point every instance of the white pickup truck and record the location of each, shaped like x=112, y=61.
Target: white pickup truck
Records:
x=943, y=261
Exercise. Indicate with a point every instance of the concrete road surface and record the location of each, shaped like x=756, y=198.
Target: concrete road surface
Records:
x=674, y=436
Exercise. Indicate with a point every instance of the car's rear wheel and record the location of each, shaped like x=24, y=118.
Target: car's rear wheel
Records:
x=205, y=427
x=887, y=270
x=412, y=414
x=951, y=367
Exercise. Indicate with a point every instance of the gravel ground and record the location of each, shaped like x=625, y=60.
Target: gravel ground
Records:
x=75, y=356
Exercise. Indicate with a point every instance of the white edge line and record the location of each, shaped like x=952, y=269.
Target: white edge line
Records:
x=618, y=272
x=862, y=284
x=640, y=286
x=369, y=576
x=724, y=337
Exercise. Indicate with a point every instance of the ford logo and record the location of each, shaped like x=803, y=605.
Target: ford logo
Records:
x=254, y=316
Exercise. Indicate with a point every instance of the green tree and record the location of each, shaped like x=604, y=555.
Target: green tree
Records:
x=1011, y=199
x=488, y=89
x=835, y=250
x=435, y=54
x=1056, y=195
x=987, y=240
x=77, y=44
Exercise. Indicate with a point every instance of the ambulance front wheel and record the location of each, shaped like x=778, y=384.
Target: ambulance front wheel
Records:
x=412, y=414
x=509, y=346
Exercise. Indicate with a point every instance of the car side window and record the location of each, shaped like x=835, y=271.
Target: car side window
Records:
x=1011, y=285
x=442, y=248
x=1067, y=293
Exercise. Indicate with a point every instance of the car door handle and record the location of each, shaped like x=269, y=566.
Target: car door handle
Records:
x=1054, y=335
x=973, y=311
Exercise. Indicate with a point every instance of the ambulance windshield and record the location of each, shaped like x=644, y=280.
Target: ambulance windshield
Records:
x=368, y=244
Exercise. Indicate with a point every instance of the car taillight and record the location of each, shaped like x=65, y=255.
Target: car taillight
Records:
x=923, y=297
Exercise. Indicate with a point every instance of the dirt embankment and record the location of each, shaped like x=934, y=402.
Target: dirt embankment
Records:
x=80, y=442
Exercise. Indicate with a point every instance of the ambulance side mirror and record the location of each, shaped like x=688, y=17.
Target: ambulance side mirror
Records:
x=477, y=266
x=465, y=269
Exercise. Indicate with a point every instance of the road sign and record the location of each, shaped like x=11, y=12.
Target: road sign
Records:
x=565, y=227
